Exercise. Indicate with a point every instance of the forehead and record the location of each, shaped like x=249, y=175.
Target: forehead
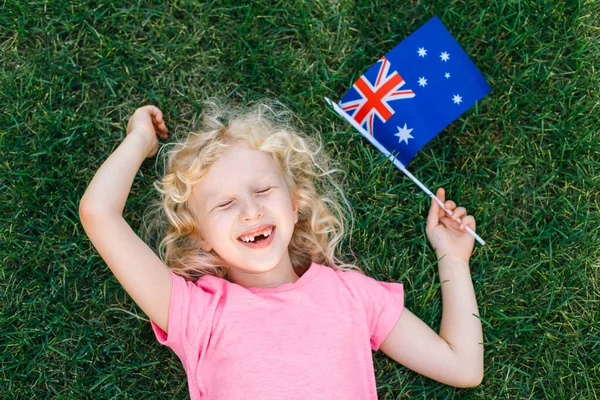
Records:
x=237, y=167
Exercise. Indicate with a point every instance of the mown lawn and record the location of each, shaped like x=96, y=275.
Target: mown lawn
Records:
x=525, y=162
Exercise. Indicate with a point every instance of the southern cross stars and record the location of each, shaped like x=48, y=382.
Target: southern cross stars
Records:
x=445, y=56
x=404, y=134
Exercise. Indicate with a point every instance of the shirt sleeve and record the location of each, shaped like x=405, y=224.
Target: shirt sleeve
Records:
x=383, y=303
x=188, y=310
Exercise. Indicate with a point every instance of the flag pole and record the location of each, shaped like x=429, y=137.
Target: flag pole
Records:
x=398, y=164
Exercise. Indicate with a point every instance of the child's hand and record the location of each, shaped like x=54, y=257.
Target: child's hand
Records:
x=448, y=237
x=148, y=122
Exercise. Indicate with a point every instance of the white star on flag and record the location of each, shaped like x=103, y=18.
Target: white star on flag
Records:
x=456, y=99
x=422, y=52
x=422, y=81
x=445, y=56
x=447, y=75
x=404, y=134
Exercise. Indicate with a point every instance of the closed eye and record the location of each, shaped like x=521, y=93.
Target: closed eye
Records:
x=265, y=190
x=224, y=205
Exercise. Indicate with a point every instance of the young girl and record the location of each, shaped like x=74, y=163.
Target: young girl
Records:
x=249, y=293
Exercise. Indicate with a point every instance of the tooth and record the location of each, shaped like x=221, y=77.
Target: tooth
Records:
x=266, y=232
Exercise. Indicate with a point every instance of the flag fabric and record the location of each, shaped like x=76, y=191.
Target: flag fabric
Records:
x=415, y=91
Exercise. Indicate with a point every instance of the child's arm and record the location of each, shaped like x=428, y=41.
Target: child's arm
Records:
x=134, y=264
x=455, y=356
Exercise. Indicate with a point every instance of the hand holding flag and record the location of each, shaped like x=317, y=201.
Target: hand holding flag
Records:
x=441, y=84
x=447, y=235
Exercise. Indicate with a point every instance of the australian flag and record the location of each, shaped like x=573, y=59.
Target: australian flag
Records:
x=415, y=91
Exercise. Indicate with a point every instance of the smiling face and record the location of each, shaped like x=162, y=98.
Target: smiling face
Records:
x=245, y=213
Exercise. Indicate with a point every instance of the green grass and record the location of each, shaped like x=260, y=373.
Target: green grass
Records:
x=525, y=162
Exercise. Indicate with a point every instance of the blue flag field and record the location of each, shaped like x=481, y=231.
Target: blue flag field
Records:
x=415, y=91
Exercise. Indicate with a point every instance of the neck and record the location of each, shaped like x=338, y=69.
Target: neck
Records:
x=281, y=274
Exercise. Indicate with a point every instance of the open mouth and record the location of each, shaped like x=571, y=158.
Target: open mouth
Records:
x=259, y=235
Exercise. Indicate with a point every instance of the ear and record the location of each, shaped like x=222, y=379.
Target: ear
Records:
x=202, y=243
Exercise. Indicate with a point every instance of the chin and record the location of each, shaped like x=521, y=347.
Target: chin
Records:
x=258, y=267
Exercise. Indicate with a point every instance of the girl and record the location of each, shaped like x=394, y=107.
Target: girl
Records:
x=248, y=291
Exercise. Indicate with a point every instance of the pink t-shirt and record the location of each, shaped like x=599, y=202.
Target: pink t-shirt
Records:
x=311, y=339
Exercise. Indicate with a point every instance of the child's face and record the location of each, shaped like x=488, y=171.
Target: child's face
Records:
x=245, y=212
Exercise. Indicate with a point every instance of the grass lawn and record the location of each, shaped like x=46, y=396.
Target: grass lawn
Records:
x=525, y=161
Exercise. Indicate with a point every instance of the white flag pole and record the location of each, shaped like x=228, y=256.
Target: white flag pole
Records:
x=397, y=163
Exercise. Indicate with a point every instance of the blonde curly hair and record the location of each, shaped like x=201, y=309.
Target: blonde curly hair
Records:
x=265, y=126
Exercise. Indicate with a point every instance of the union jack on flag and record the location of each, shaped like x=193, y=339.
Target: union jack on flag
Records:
x=417, y=89
x=375, y=97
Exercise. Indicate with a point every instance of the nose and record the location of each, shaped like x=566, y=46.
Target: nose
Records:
x=251, y=210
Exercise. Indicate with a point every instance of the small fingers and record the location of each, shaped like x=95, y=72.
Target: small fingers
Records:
x=469, y=221
x=150, y=109
x=161, y=127
x=459, y=212
x=153, y=111
x=158, y=120
x=157, y=114
x=440, y=215
x=433, y=215
x=441, y=194
x=450, y=205
x=435, y=211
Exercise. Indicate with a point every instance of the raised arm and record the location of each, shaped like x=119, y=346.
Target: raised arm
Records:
x=455, y=356
x=143, y=275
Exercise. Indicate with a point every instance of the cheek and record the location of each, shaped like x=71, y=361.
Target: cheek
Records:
x=285, y=206
x=219, y=225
